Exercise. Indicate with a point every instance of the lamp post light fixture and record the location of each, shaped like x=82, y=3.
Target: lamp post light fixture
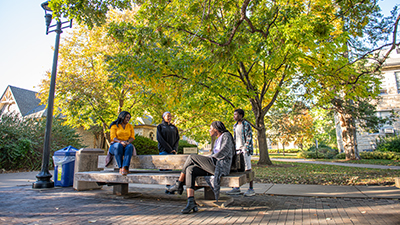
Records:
x=43, y=178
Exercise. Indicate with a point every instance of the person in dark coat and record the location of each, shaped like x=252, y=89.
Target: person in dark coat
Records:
x=167, y=136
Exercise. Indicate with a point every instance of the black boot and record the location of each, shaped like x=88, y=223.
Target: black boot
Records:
x=178, y=186
x=191, y=204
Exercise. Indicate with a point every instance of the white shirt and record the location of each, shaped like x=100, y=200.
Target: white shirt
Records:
x=239, y=133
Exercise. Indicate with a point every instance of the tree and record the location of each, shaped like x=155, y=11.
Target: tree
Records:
x=364, y=55
x=324, y=126
x=289, y=122
x=243, y=52
x=84, y=94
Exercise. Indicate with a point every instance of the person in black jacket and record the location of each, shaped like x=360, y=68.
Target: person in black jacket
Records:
x=167, y=136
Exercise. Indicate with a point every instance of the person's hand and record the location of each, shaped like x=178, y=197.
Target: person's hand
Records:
x=124, y=143
x=173, y=152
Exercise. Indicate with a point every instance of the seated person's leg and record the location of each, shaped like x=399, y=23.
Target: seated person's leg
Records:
x=117, y=150
x=203, y=162
x=128, y=151
x=191, y=173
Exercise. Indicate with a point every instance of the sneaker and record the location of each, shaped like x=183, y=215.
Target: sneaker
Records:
x=249, y=193
x=234, y=191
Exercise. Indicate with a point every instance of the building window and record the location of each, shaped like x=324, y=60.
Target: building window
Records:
x=397, y=75
x=151, y=136
x=383, y=88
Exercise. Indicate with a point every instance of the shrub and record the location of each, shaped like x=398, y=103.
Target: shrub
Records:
x=184, y=144
x=290, y=150
x=340, y=156
x=380, y=155
x=145, y=146
x=21, y=141
x=324, y=152
x=388, y=144
x=374, y=155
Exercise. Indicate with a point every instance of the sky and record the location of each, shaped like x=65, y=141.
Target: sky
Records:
x=26, y=51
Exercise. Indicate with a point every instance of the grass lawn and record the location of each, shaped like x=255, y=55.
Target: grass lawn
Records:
x=303, y=173
x=365, y=161
x=281, y=156
x=362, y=161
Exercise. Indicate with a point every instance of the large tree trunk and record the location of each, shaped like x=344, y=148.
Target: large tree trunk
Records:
x=262, y=143
x=339, y=137
x=348, y=128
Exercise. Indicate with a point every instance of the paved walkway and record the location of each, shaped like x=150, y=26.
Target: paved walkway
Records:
x=147, y=204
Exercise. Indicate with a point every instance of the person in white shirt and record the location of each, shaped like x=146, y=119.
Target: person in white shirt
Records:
x=243, y=138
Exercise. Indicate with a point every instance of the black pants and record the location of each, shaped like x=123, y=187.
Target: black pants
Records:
x=197, y=165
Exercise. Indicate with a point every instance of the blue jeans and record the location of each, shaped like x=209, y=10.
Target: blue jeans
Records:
x=165, y=153
x=122, y=155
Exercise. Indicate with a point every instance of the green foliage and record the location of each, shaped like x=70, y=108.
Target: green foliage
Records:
x=289, y=121
x=341, y=156
x=324, y=127
x=184, y=144
x=230, y=54
x=305, y=173
x=323, y=152
x=21, y=141
x=94, y=15
x=145, y=146
x=388, y=144
x=374, y=155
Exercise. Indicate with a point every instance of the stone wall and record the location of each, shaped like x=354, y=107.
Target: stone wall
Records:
x=145, y=131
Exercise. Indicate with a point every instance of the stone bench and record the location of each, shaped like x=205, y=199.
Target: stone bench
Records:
x=91, y=172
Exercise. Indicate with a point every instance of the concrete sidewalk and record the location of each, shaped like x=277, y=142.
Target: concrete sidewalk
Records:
x=27, y=178
x=148, y=204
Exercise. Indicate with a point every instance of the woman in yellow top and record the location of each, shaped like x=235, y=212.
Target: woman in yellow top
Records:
x=122, y=135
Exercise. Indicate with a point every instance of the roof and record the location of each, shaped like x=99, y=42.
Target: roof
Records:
x=145, y=120
x=26, y=100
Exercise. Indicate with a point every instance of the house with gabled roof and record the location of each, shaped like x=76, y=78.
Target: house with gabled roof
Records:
x=22, y=102
x=25, y=104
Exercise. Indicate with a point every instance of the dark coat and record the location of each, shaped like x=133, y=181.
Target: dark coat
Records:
x=167, y=137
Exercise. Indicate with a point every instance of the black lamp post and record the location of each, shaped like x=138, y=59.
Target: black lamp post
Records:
x=43, y=178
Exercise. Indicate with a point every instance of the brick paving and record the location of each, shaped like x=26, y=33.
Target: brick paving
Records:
x=23, y=205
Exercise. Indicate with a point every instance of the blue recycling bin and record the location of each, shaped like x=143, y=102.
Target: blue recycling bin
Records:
x=64, y=163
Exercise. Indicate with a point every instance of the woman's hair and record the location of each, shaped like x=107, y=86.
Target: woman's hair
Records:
x=219, y=126
x=120, y=118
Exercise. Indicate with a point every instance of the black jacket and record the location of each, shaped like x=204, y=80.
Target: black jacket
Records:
x=167, y=137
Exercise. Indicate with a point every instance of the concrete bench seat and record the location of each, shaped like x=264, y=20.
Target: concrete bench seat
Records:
x=144, y=169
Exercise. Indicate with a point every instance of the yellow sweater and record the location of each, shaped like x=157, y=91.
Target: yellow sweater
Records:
x=122, y=134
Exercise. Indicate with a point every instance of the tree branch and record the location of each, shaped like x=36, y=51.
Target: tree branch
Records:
x=202, y=84
x=233, y=32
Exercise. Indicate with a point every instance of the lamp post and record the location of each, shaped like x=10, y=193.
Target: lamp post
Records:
x=43, y=178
